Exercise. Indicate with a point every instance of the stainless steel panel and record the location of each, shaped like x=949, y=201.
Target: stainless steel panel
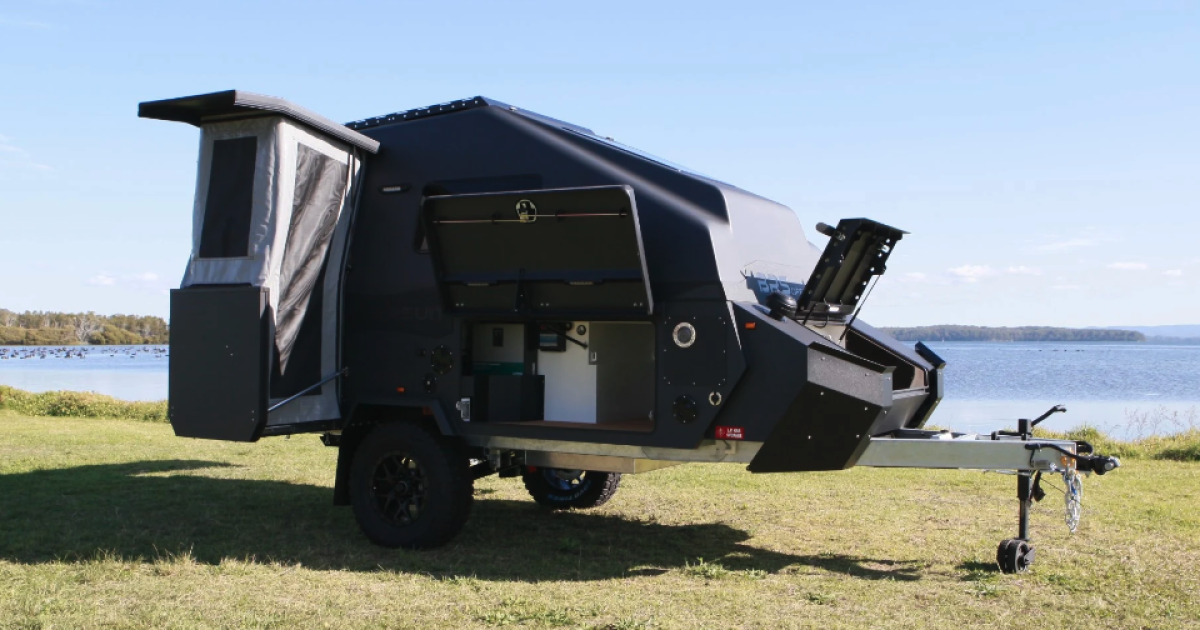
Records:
x=967, y=452
x=602, y=463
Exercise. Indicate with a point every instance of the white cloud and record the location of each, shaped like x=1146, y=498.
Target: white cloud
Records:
x=914, y=276
x=1174, y=273
x=1066, y=287
x=1129, y=266
x=102, y=281
x=1068, y=244
x=972, y=273
x=15, y=156
x=147, y=276
x=1022, y=270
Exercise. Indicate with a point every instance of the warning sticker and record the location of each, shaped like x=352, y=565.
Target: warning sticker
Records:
x=730, y=433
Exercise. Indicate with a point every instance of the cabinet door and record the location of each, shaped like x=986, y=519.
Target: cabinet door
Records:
x=624, y=357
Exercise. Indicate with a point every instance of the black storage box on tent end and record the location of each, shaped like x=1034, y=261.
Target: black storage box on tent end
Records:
x=223, y=331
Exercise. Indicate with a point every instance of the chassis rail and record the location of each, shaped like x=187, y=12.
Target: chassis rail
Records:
x=970, y=452
x=1015, y=452
x=932, y=449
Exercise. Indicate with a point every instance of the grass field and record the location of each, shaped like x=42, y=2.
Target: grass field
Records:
x=116, y=523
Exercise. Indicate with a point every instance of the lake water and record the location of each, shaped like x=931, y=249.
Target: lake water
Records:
x=126, y=372
x=1124, y=388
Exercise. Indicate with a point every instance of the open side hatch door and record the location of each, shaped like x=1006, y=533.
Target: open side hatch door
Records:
x=553, y=253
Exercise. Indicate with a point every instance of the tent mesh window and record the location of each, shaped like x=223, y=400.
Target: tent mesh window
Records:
x=320, y=188
x=226, y=229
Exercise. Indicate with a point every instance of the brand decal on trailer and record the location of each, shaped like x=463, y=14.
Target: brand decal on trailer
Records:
x=731, y=433
x=526, y=211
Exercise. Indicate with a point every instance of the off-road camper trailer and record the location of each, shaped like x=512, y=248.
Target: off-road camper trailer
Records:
x=471, y=288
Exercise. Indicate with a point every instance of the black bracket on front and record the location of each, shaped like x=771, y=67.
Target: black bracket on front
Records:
x=857, y=251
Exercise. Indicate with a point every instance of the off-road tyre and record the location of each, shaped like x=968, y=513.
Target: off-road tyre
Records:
x=588, y=489
x=410, y=487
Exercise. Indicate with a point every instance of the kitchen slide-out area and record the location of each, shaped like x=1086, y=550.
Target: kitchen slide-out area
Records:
x=594, y=375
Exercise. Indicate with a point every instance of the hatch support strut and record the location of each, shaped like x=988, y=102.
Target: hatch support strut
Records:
x=307, y=389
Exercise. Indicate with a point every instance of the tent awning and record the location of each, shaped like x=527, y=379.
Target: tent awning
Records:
x=236, y=104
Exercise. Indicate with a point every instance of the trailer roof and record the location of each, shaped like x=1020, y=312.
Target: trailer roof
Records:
x=233, y=104
x=464, y=104
x=448, y=107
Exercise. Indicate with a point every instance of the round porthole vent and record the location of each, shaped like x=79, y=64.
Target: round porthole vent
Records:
x=684, y=335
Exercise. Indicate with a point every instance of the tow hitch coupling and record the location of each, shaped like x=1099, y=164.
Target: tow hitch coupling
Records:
x=1015, y=555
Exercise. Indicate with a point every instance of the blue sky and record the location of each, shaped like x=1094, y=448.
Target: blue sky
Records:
x=1044, y=156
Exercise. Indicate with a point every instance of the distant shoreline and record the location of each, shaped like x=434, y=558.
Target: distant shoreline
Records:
x=39, y=343
x=952, y=332
x=48, y=328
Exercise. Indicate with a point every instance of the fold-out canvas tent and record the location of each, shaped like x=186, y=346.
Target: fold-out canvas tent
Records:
x=274, y=196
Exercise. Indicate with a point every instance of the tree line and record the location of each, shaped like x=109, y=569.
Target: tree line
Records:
x=47, y=328
x=1018, y=333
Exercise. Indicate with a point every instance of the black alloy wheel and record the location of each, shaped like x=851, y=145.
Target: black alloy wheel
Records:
x=410, y=486
x=398, y=485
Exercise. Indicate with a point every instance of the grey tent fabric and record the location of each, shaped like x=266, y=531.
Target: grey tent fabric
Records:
x=301, y=204
x=263, y=234
x=321, y=184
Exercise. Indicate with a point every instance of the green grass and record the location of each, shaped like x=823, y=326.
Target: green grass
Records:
x=1180, y=447
x=118, y=524
x=79, y=405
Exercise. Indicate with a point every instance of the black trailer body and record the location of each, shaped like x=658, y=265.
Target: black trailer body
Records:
x=533, y=297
